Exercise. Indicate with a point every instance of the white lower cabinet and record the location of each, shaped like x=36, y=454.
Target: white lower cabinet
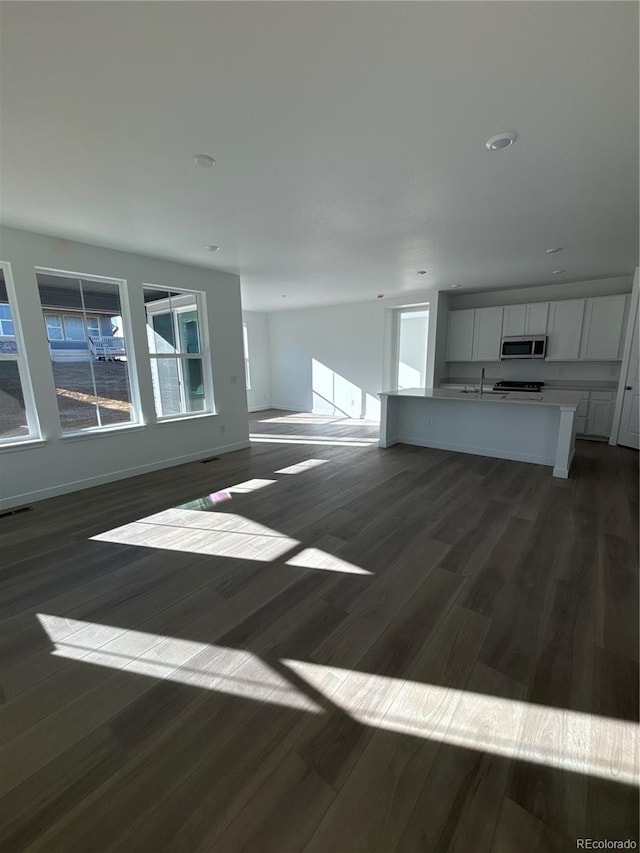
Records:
x=594, y=415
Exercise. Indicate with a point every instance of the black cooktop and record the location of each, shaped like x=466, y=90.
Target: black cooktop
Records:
x=513, y=385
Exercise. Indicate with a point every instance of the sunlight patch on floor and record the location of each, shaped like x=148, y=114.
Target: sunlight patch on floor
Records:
x=314, y=558
x=260, y=438
x=574, y=741
x=222, y=534
x=214, y=534
x=554, y=737
x=300, y=467
x=209, y=667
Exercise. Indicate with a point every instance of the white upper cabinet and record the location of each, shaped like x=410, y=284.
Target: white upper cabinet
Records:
x=565, y=330
x=525, y=319
x=602, y=328
x=487, y=334
x=460, y=335
x=515, y=318
x=577, y=329
x=536, y=319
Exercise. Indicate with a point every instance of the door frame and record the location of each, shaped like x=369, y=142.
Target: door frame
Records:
x=626, y=359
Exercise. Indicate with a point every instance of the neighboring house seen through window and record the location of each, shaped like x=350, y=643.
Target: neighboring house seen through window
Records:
x=90, y=365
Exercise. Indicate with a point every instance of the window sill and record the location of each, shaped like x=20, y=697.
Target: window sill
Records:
x=25, y=444
x=176, y=419
x=101, y=433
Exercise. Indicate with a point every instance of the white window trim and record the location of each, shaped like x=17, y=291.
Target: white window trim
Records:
x=127, y=333
x=35, y=434
x=186, y=295
x=245, y=346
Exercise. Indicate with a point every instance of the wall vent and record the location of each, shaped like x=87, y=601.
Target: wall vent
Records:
x=15, y=511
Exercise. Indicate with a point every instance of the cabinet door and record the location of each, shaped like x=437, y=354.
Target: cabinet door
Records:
x=460, y=335
x=536, y=318
x=602, y=329
x=565, y=329
x=600, y=417
x=514, y=320
x=487, y=334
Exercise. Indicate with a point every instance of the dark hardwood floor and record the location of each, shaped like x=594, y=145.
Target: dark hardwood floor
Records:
x=318, y=645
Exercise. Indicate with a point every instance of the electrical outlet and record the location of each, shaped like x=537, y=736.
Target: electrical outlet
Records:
x=430, y=422
x=223, y=428
x=233, y=380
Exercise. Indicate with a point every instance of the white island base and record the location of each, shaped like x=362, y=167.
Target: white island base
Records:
x=539, y=429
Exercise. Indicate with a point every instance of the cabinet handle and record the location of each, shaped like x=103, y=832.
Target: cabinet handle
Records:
x=628, y=387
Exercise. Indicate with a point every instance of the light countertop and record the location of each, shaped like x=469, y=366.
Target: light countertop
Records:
x=544, y=398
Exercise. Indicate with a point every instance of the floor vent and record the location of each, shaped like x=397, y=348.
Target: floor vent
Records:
x=213, y=459
x=15, y=511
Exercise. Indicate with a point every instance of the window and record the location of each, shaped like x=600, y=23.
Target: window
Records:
x=245, y=342
x=7, y=329
x=177, y=349
x=17, y=409
x=412, y=329
x=93, y=385
x=73, y=327
x=93, y=327
x=54, y=327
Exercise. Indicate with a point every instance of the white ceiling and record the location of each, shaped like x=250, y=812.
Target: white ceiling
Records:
x=349, y=139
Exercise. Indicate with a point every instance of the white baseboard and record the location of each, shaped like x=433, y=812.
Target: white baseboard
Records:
x=285, y=408
x=260, y=408
x=122, y=474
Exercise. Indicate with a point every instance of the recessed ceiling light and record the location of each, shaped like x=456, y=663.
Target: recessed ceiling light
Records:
x=452, y=286
x=422, y=272
x=204, y=161
x=380, y=296
x=554, y=251
x=284, y=295
x=558, y=272
x=212, y=248
x=501, y=141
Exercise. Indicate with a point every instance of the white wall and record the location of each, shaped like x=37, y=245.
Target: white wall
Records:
x=259, y=395
x=65, y=464
x=349, y=346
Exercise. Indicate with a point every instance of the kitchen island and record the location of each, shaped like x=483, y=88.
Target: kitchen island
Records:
x=537, y=428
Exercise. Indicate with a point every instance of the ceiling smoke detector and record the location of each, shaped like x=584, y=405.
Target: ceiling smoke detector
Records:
x=554, y=251
x=204, y=161
x=212, y=248
x=501, y=141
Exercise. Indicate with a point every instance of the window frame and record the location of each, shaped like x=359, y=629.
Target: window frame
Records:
x=137, y=419
x=204, y=355
x=245, y=346
x=418, y=308
x=20, y=357
x=49, y=314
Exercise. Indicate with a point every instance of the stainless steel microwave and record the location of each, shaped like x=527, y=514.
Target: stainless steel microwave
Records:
x=524, y=347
